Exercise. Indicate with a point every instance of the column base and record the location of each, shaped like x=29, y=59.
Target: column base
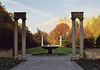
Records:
x=23, y=58
x=73, y=58
x=15, y=57
x=81, y=57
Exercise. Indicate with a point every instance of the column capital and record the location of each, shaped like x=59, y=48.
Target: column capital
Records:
x=81, y=19
x=24, y=19
x=73, y=19
x=16, y=19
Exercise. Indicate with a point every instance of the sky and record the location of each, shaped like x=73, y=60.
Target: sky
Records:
x=45, y=14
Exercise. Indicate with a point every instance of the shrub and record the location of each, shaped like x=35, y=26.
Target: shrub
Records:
x=98, y=42
x=6, y=36
x=7, y=63
x=65, y=43
x=89, y=43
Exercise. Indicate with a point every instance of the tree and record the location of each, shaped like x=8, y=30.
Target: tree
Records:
x=5, y=17
x=38, y=36
x=6, y=36
x=44, y=34
x=6, y=30
x=89, y=43
x=54, y=35
x=31, y=41
x=87, y=33
x=98, y=42
x=94, y=27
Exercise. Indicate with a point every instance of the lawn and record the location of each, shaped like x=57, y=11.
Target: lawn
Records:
x=41, y=50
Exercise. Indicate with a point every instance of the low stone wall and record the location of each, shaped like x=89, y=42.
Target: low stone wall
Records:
x=92, y=53
x=7, y=53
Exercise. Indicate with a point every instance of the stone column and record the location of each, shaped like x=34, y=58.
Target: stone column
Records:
x=81, y=39
x=16, y=39
x=60, y=40
x=42, y=40
x=23, y=39
x=73, y=41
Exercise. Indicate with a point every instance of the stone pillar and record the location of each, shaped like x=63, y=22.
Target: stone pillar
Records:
x=73, y=41
x=60, y=40
x=23, y=40
x=42, y=40
x=81, y=39
x=16, y=39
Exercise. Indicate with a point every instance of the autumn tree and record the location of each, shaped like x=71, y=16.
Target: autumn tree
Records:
x=38, y=36
x=6, y=30
x=31, y=41
x=87, y=33
x=94, y=27
x=54, y=35
x=44, y=34
x=93, y=30
x=69, y=34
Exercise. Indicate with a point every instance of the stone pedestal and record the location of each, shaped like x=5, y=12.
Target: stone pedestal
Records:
x=49, y=51
x=42, y=40
x=50, y=48
x=60, y=40
x=23, y=58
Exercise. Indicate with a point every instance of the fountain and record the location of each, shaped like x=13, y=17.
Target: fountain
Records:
x=50, y=47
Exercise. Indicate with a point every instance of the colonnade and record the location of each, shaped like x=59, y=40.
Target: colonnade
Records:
x=21, y=15
x=74, y=16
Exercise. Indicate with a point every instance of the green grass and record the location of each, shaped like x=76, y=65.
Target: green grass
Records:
x=41, y=50
x=64, y=50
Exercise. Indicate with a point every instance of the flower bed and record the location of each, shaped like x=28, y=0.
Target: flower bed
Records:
x=6, y=63
x=88, y=64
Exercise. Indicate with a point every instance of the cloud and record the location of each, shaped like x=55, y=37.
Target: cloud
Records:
x=90, y=8
x=28, y=8
x=48, y=25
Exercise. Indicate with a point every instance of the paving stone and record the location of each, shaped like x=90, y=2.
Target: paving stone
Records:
x=48, y=63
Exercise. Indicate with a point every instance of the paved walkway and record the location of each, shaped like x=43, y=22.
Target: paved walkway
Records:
x=48, y=63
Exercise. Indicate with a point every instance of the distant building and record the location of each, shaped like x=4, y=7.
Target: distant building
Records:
x=67, y=20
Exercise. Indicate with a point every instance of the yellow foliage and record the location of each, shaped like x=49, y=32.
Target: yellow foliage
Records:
x=94, y=27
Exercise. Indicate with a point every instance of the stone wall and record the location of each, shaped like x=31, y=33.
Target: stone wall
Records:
x=92, y=53
x=6, y=53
